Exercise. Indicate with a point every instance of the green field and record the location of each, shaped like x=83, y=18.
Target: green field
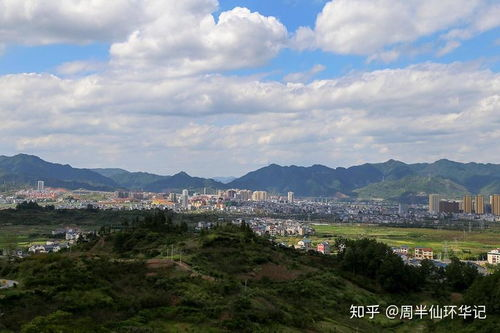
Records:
x=462, y=244
x=22, y=236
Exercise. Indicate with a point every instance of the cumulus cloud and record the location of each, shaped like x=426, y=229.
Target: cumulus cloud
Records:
x=181, y=41
x=163, y=100
x=167, y=37
x=245, y=122
x=368, y=27
x=35, y=22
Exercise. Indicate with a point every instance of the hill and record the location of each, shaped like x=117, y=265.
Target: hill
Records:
x=27, y=169
x=411, y=185
x=389, y=180
x=143, y=181
x=157, y=276
x=130, y=180
x=317, y=180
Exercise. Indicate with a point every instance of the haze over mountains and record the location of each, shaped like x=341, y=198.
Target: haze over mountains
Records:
x=388, y=180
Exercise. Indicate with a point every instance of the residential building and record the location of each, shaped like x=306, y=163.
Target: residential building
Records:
x=434, y=200
x=495, y=204
x=231, y=194
x=40, y=185
x=467, y=205
x=449, y=207
x=46, y=248
x=290, y=197
x=305, y=244
x=245, y=195
x=494, y=257
x=424, y=253
x=185, y=199
x=401, y=250
x=323, y=247
x=259, y=196
x=479, y=204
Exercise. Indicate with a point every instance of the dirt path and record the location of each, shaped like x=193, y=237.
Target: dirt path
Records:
x=164, y=263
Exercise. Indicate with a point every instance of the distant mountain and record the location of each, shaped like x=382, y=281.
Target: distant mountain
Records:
x=389, y=180
x=317, y=180
x=27, y=169
x=142, y=181
x=183, y=181
x=109, y=172
x=224, y=180
x=131, y=180
x=411, y=185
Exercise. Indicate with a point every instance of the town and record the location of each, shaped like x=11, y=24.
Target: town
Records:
x=288, y=220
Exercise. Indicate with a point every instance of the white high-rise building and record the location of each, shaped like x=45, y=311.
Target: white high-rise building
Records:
x=291, y=197
x=403, y=209
x=185, y=199
x=41, y=185
x=259, y=196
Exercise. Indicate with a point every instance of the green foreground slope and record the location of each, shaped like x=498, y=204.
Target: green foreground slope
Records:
x=157, y=276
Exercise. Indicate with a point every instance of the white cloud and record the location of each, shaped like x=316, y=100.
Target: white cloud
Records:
x=80, y=67
x=180, y=41
x=159, y=101
x=166, y=37
x=375, y=27
x=234, y=124
x=449, y=47
x=304, y=76
x=35, y=22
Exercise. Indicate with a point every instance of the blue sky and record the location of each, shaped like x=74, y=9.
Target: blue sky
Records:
x=303, y=81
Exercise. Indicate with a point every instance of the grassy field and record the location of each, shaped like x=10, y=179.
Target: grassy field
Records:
x=22, y=236
x=462, y=244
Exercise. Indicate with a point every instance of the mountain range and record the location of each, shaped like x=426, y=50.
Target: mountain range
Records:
x=389, y=180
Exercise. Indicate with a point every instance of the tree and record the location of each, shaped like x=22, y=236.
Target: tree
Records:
x=460, y=275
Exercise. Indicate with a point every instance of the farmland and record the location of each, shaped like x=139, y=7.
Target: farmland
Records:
x=463, y=244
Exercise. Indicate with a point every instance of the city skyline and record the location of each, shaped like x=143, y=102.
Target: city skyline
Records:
x=219, y=88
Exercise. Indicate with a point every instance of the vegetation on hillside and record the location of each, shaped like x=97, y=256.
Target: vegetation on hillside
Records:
x=443, y=176
x=414, y=185
x=158, y=276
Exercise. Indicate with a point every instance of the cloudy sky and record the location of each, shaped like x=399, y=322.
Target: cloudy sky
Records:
x=223, y=87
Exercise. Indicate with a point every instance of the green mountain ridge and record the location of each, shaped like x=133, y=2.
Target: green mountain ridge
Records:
x=416, y=185
x=389, y=180
x=27, y=169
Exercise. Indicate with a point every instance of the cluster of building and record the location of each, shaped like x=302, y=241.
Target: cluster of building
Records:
x=277, y=227
x=468, y=205
x=419, y=253
x=306, y=245
x=61, y=239
x=48, y=247
x=70, y=236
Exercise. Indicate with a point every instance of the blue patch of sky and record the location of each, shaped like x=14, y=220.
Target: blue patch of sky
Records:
x=292, y=13
x=483, y=48
x=46, y=58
